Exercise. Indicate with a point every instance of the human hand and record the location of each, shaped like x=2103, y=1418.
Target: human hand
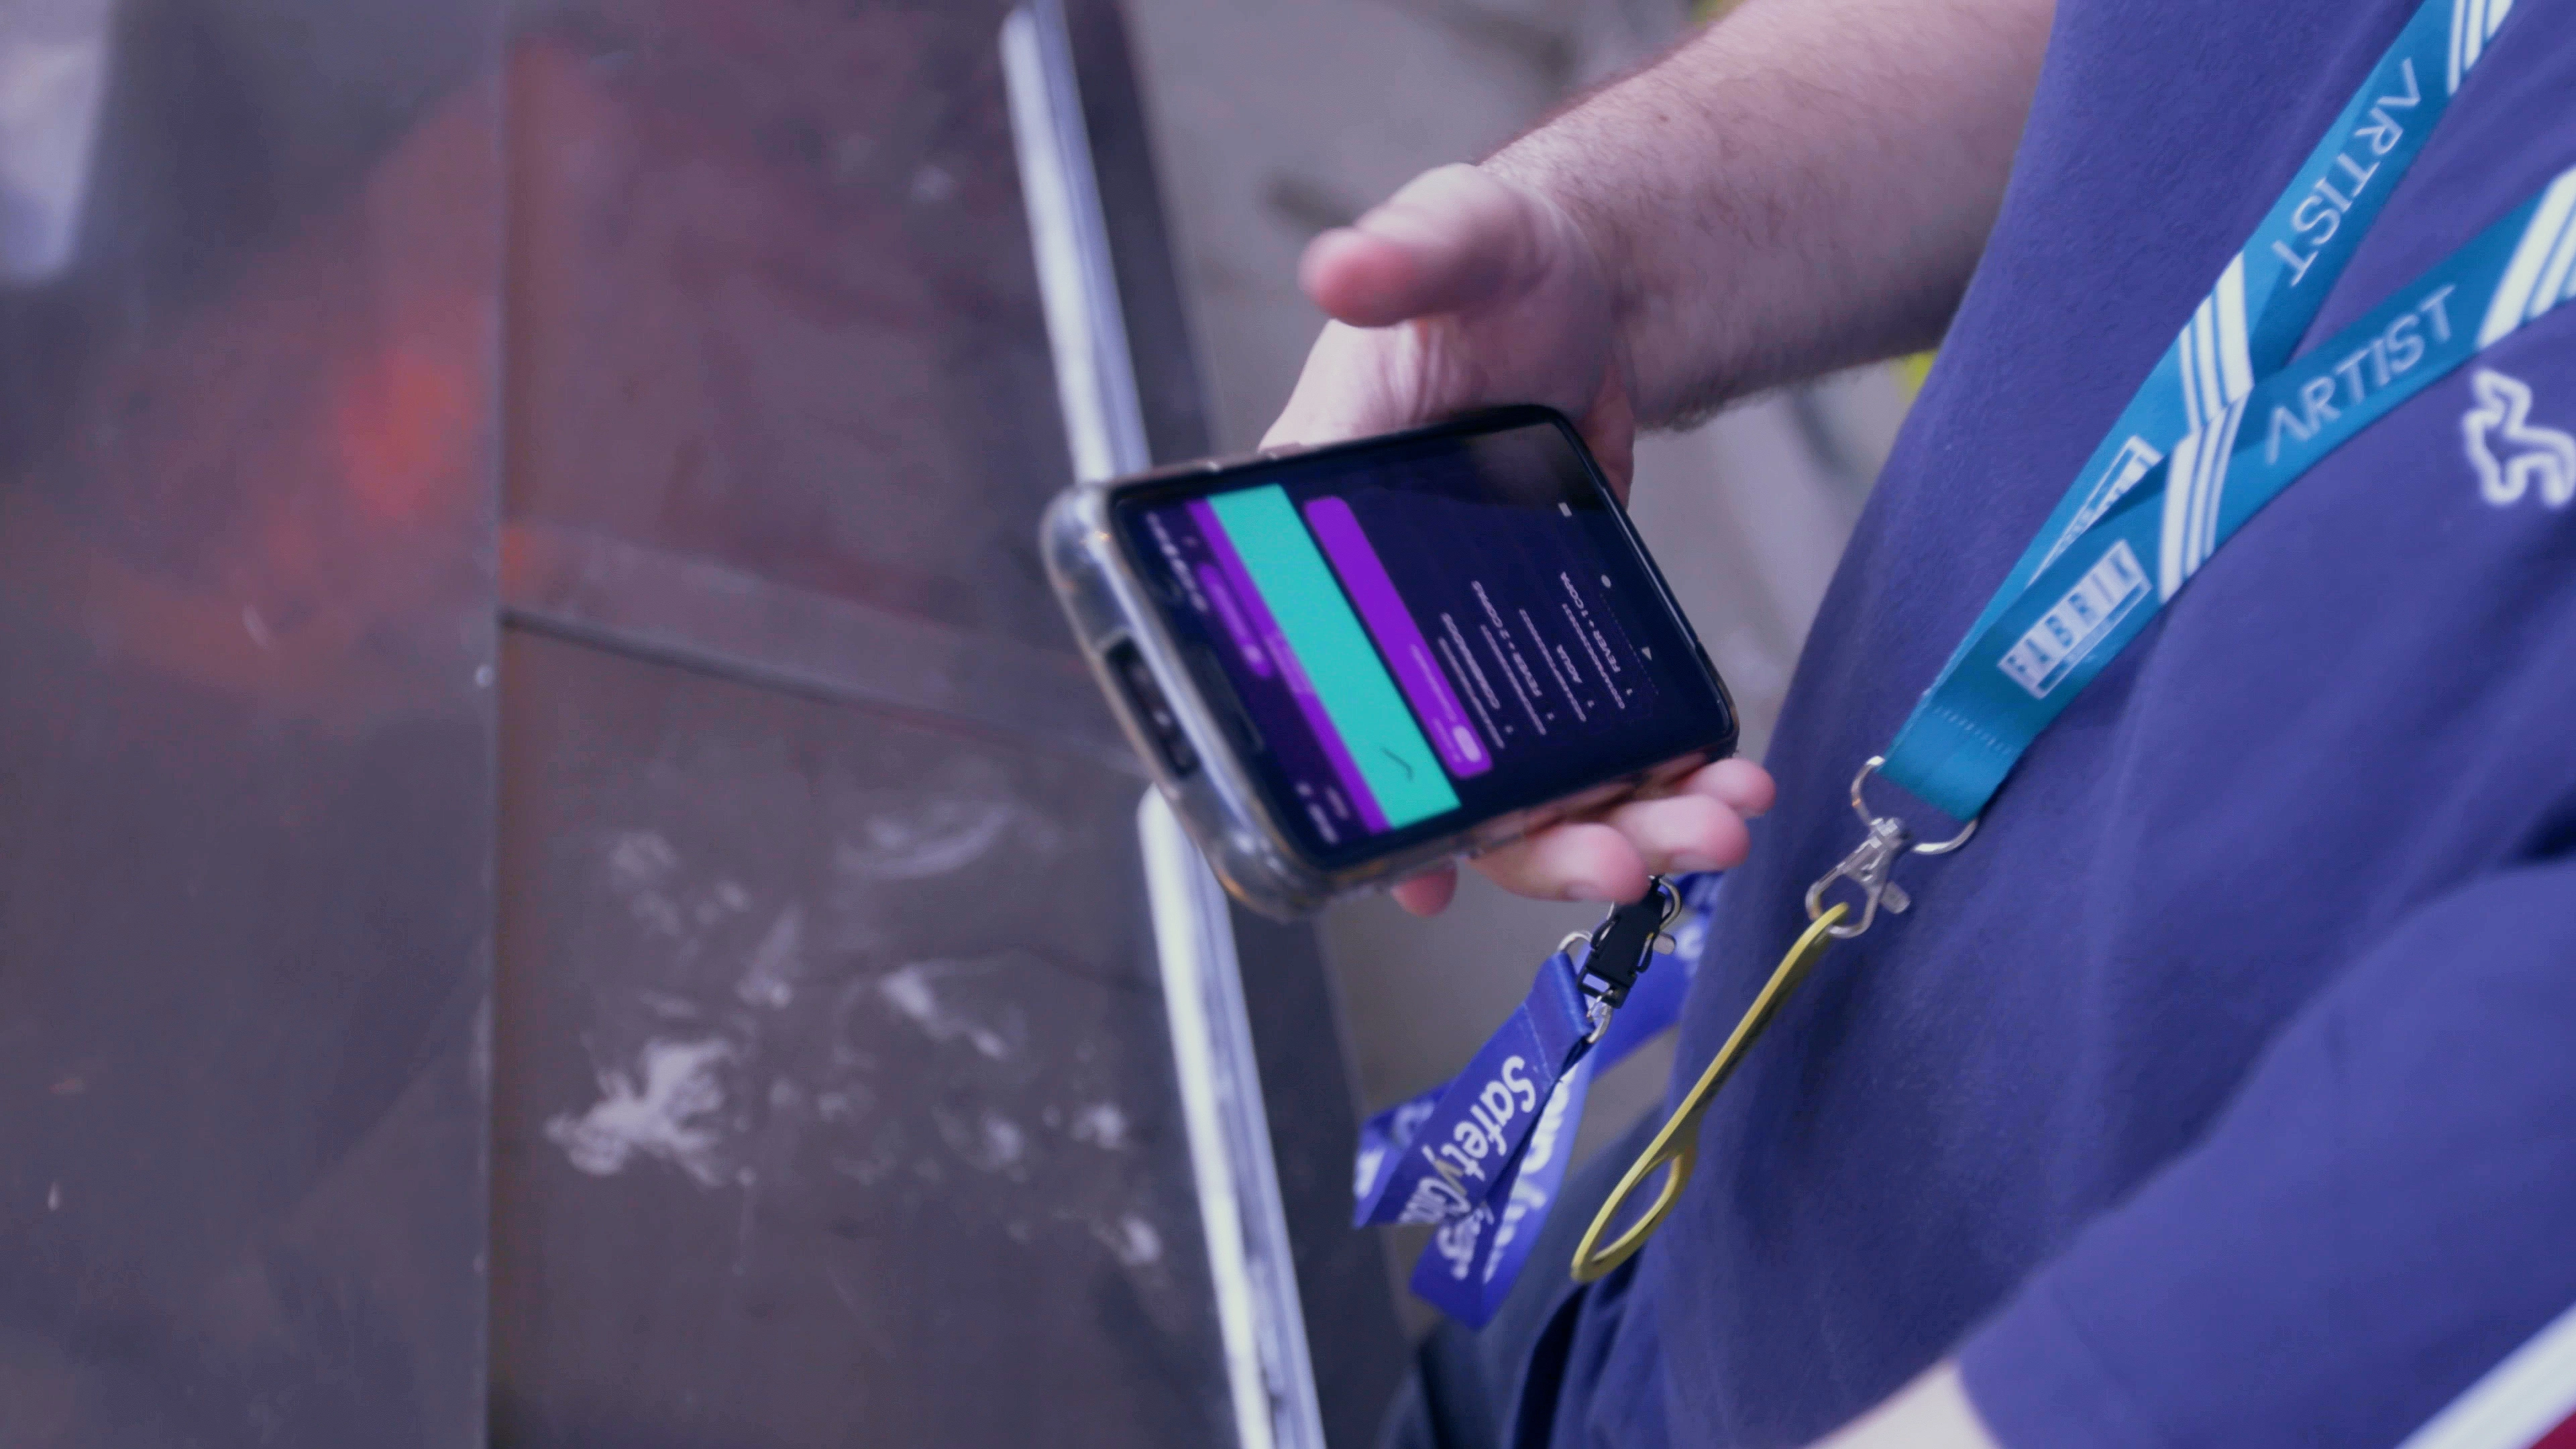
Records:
x=1698, y=825
x=1469, y=290
x=1464, y=290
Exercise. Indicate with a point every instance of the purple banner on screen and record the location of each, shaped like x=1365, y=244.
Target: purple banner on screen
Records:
x=1417, y=672
x=1220, y=592
x=1274, y=643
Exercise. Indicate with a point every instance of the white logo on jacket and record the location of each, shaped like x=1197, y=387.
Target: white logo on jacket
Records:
x=2510, y=452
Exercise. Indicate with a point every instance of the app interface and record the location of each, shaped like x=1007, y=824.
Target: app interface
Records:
x=1460, y=625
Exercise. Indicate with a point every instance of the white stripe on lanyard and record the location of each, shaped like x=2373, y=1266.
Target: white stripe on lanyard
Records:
x=2527, y=1401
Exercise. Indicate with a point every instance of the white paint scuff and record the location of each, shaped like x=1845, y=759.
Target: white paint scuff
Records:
x=639, y=863
x=770, y=978
x=989, y=1143
x=668, y=1109
x=911, y=992
x=1102, y=1125
x=931, y=838
x=1131, y=1240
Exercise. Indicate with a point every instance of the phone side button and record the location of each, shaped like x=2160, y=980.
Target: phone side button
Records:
x=1145, y=701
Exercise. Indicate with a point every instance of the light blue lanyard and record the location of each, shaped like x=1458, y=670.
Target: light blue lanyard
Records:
x=2224, y=424
x=2055, y=635
x=2172, y=446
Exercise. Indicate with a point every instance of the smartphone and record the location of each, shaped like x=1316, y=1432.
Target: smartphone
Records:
x=1345, y=663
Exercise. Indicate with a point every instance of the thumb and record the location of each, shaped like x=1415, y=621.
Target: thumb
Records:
x=1450, y=239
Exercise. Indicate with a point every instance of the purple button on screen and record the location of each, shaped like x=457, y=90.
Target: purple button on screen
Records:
x=1220, y=594
x=1417, y=672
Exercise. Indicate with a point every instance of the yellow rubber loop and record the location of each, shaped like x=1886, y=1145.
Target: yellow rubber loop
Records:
x=1678, y=1143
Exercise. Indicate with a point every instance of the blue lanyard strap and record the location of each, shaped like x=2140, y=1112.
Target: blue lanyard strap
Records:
x=2018, y=671
x=1483, y=1155
x=2179, y=425
x=2242, y=422
x=1446, y=1153
x=2019, y=668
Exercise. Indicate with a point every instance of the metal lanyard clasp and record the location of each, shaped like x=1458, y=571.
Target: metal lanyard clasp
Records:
x=1620, y=948
x=1871, y=862
x=1676, y=1147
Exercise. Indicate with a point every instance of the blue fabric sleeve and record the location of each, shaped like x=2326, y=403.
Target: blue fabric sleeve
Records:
x=2384, y=1211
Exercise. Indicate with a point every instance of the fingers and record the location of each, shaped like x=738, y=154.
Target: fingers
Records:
x=1740, y=785
x=1428, y=894
x=1359, y=277
x=1464, y=290
x=1683, y=832
x=1586, y=861
x=1609, y=428
x=1700, y=826
x=1354, y=383
x=1452, y=238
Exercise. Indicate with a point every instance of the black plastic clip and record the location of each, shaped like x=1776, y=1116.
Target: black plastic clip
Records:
x=1624, y=945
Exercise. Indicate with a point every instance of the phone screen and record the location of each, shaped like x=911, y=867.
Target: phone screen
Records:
x=1411, y=635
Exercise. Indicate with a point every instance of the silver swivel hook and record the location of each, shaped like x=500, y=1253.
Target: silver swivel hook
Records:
x=1869, y=865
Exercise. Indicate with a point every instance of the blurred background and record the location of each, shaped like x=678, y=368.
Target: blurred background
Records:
x=560, y=881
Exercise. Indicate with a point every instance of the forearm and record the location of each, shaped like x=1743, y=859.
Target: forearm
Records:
x=1803, y=186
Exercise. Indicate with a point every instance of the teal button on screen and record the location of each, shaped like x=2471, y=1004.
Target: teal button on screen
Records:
x=1357, y=693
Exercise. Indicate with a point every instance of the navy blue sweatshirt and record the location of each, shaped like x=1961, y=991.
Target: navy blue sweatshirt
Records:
x=2224, y=1090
